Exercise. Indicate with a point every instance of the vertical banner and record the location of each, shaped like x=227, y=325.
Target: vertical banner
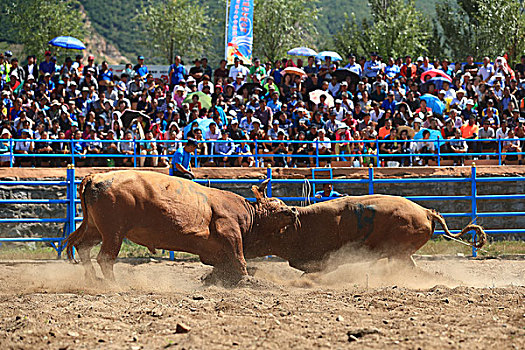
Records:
x=240, y=31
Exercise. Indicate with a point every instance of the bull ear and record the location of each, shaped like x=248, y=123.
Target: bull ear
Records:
x=257, y=193
x=262, y=187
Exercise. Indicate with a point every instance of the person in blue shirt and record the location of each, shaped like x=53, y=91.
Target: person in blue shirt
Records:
x=177, y=72
x=140, y=67
x=180, y=164
x=372, y=67
x=353, y=66
x=328, y=192
x=46, y=66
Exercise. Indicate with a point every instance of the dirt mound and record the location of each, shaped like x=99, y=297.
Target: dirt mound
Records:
x=442, y=304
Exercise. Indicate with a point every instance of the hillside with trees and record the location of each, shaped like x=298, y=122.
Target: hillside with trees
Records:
x=160, y=29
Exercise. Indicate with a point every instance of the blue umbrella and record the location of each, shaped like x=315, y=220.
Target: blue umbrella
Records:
x=204, y=125
x=434, y=135
x=333, y=55
x=437, y=81
x=434, y=103
x=302, y=51
x=68, y=42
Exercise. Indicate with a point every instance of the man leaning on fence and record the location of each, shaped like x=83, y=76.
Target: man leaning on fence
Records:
x=180, y=165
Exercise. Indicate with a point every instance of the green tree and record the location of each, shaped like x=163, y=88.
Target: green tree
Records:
x=280, y=25
x=502, y=27
x=36, y=22
x=460, y=28
x=175, y=27
x=395, y=29
x=482, y=27
x=350, y=39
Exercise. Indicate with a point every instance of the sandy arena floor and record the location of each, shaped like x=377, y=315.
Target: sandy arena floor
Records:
x=444, y=304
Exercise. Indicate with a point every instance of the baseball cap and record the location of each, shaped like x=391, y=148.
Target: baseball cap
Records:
x=140, y=57
x=191, y=142
x=470, y=102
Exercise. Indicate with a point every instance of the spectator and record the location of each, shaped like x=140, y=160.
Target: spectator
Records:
x=328, y=192
x=244, y=154
x=425, y=147
x=225, y=148
x=511, y=145
x=140, y=68
x=457, y=145
x=180, y=165
x=148, y=149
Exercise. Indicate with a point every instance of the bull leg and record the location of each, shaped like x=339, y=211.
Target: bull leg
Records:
x=91, y=238
x=108, y=254
x=406, y=260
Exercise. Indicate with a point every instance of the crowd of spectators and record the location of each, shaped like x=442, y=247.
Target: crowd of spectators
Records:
x=373, y=98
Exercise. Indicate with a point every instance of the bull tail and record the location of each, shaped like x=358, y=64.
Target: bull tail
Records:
x=480, y=233
x=76, y=236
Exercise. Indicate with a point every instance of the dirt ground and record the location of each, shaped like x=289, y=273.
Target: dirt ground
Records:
x=443, y=304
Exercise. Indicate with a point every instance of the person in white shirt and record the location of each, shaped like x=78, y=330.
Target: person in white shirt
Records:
x=205, y=82
x=213, y=133
x=503, y=131
x=333, y=86
x=238, y=68
x=460, y=101
x=449, y=93
x=323, y=142
x=487, y=70
x=376, y=113
x=339, y=110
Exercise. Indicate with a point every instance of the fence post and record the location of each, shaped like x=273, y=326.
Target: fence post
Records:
x=196, y=158
x=317, y=153
x=370, y=179
x=474, y=193
x=499, y=151
x=256, y=152
x=439, y=152
x=378, y=163
x=269, y=187
x=72, y=146
x=11, y=157
x=71, y=205
x=134, y=153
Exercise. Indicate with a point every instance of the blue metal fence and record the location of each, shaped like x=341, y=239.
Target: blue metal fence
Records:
x=315, y=149
x=71, y=199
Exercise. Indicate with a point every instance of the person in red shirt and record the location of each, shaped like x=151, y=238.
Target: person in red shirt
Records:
x=409, y=69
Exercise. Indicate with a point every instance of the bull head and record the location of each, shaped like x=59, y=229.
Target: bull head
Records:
x=273, y=214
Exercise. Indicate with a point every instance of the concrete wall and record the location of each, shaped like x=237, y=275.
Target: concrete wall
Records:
x=280, y=190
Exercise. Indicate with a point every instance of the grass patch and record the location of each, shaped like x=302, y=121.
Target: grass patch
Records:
x=36, y=251
x=442, y=246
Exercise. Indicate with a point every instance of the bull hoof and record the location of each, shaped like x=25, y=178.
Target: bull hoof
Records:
x=220, y=277
x=252, y=270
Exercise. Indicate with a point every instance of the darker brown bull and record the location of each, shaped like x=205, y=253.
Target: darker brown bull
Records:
x=164, y=212
x=386, y=226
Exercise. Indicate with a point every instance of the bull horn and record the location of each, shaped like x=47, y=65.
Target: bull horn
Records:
x=262, y=187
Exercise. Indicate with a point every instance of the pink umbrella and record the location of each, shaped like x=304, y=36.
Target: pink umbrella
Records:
x=435, y=73
x=295, y=71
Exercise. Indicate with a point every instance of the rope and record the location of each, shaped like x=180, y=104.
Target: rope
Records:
x=306, y=193
x=464, y=243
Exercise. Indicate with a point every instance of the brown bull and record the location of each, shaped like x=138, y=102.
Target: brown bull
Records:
x=164, y=212
x=386, y=226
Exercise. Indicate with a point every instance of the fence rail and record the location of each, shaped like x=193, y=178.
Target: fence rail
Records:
x=315, y=148
x=72, y=201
